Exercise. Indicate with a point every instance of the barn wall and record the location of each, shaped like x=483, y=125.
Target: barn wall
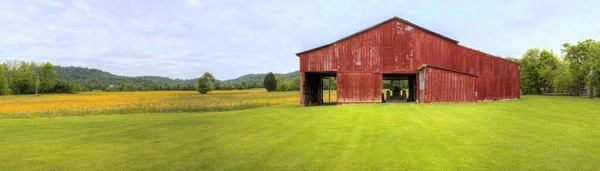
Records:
x=412, y=47
x=362, y=52
x=498, y=79
x=319, y=60
x=420, y=92
x=429, y=49
x=447, y=86
x=358, y=88
x=393, y=47
x=465, y=60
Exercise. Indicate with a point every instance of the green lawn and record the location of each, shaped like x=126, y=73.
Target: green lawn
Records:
x=534, y=133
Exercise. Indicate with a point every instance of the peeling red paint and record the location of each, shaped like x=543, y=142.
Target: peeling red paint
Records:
x=442, y=85
x=350, y=91
x=398, y=46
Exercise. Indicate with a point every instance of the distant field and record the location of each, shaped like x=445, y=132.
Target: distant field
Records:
x=98, y=102
x=534, y=133
x=93, y=103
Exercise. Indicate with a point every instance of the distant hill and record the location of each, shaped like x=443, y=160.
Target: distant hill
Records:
x=255, y=81
x=260, y=77
x=95, y=79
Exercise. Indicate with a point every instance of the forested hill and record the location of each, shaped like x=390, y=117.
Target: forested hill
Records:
x=95, y=79
x=260, y=77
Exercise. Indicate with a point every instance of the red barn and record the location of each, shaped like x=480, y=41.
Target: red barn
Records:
x=437, y=68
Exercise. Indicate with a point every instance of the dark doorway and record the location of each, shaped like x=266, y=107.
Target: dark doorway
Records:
x=319, y=89
x=398, y=88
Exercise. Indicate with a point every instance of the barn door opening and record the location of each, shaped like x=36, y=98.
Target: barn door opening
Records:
x=319, y=89
x=398, y=88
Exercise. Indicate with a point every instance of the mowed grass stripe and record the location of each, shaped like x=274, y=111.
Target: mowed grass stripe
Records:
x=534, y=133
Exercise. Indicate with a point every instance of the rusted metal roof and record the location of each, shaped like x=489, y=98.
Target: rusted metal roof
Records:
x=369, y=28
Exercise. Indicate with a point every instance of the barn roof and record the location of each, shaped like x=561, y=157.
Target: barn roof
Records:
x=369, y=28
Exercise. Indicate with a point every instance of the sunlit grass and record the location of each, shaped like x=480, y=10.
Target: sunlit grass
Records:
x=534, y=133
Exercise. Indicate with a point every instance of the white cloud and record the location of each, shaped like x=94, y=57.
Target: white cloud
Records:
x=234, y=37
x=82, y=6
x=193, y=3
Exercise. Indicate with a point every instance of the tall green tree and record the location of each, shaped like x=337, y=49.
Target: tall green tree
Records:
x=47, y=77
x=563, y=80
x=537, y=71
x=206, y=83
x=593, y=76
x=11, y=69
x=270, y=83
x=4, y=89
x=24, y=79
x=583, y=59
x=549, y=64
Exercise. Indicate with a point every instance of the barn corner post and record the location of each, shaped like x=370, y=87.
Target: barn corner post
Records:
x=301, y=89
x=397, y=47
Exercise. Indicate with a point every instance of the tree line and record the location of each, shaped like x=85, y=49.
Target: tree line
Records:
x=286, y=82
x=237, y=84
x=279, y=83
x=542, y=71
x=271, y=82
x=20, y=77
x=95, y=79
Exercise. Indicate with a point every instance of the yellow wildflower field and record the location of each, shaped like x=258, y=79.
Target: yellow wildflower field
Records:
x=92, y=103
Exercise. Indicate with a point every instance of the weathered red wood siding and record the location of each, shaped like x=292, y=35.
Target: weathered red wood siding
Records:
x=396, y=46
x=319, y=60
x=405, y=47
x=362, y=52
x=392, y=47
x=358, y=88
x=447, y=86
x=498, y=79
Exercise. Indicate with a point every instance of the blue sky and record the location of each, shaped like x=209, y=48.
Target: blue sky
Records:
x=184, y=38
